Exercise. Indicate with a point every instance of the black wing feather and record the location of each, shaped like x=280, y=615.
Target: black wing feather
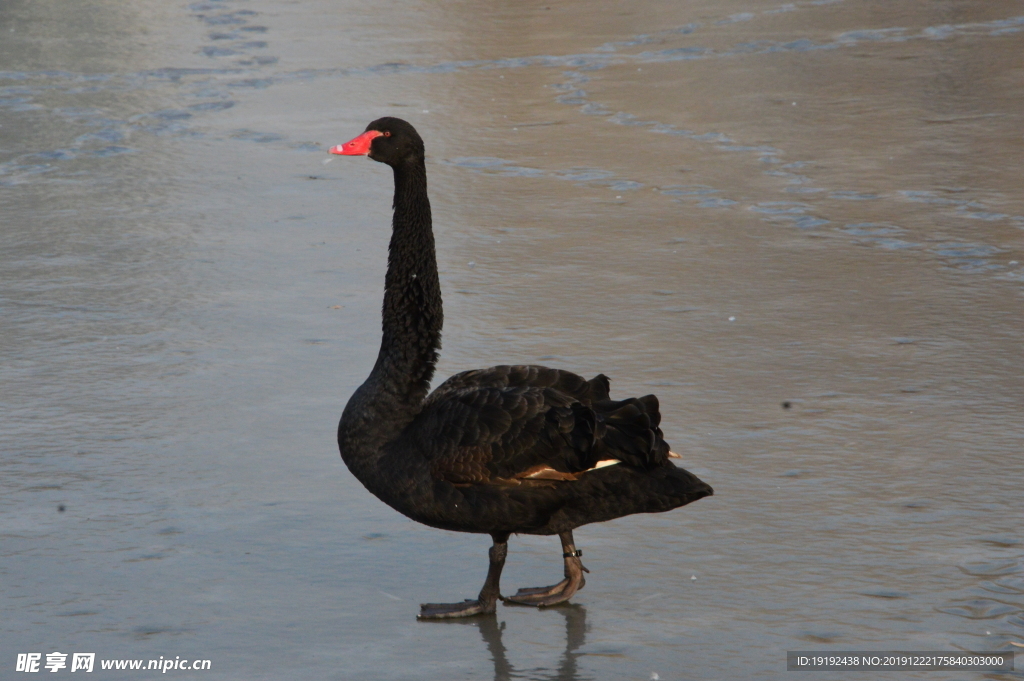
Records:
x=498, y=424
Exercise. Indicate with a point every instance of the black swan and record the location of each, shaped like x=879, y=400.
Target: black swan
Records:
x=523, y=449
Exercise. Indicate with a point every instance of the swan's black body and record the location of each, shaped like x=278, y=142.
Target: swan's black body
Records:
x=511, y=449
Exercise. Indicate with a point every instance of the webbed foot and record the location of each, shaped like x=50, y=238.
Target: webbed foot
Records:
x=467, y=608
x=556, y=593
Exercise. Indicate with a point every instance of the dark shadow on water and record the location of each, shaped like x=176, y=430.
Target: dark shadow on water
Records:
x=575, y=632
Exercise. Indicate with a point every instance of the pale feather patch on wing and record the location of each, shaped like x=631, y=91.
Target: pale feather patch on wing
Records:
x=603, y=463
x=543, y=472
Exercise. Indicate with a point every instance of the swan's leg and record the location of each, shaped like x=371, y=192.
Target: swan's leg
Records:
x=564, y=590
x=486, y=602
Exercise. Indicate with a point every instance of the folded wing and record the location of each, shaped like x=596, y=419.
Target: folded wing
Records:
x=533, y=425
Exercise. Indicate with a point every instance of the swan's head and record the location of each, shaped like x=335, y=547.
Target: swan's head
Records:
x=388, y=140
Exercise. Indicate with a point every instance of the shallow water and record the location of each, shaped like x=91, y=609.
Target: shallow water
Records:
x=739, y=206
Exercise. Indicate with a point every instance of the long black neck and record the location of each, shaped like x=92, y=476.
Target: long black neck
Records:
x=412, y=314
x=412, y=318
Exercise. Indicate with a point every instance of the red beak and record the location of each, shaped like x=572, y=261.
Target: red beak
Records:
x=360, y=146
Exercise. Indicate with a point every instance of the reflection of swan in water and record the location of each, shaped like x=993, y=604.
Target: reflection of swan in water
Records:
x=575, y=632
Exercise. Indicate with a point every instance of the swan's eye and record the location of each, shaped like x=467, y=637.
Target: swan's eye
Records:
x=387, y=133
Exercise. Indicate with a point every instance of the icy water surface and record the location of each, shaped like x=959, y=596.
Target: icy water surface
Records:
x=800, y=224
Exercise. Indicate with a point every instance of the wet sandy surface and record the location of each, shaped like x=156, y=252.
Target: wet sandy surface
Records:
x=738, y=206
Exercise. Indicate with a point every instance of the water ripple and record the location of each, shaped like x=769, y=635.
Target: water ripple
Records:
x=232, y=39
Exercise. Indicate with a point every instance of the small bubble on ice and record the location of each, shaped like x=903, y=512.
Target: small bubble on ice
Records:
x=732, y=319
x=655, y=677
x=693, y=577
